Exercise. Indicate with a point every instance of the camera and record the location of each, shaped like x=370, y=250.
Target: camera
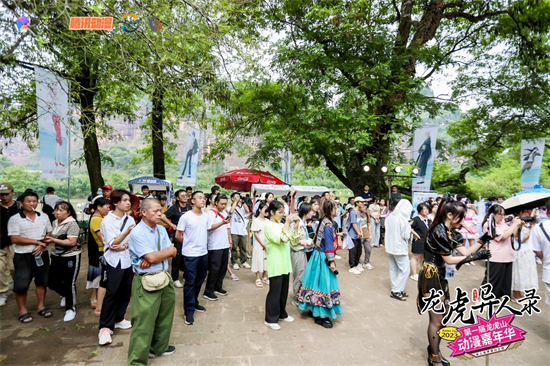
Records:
x=508, y=219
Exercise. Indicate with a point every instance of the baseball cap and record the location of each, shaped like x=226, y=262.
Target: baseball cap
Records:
x=107, y=186
x=6, y=188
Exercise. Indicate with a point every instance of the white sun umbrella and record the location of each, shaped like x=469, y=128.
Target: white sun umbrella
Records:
x=525, y=201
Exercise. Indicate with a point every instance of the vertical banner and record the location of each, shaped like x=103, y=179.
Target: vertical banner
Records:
x=424, y=154
x=52, y=107
x=190, y=162
x=286, y=167
x=531, y=162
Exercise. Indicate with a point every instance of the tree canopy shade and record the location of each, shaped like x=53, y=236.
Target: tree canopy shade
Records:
x=345, y=78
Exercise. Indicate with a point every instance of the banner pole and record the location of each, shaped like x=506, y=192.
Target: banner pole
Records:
x=69, y=164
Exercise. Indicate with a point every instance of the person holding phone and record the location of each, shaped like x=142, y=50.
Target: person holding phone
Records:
x=239, y=235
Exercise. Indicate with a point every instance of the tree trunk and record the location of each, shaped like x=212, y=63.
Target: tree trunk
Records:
x=87, y=124
x=157, y=138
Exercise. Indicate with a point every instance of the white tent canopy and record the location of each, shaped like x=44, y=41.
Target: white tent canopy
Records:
x=308, y=190
x=273, y=188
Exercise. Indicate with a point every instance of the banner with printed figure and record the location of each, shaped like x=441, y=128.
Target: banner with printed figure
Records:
x=424, y=154
x=52, y=106
x=421, y=197
x=286, y=166
x=531, y=162
x=190, y=162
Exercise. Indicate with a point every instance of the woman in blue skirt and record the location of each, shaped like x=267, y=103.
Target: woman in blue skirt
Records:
x=320, y=293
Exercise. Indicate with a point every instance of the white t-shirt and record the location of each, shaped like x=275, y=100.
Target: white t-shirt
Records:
x=217, y=239
x=19, y=224
x=258, y=226
x=51, y=200
x=238, y=225
x=540, y=243
x=194, y=234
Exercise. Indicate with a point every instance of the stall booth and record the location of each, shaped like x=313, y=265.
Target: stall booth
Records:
x=154, y=184
x=298, y=191
x=276, y=189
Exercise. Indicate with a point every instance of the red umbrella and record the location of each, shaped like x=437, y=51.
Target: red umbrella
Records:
x=242, y=179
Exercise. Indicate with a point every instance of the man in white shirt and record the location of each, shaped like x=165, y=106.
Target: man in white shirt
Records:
x=219, y=235
x=27, y=230
x=540, y=240
x=50, y=198
x=192, y=233
x=239, y=235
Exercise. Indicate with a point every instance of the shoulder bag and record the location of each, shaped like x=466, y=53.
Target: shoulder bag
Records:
x=156, y=280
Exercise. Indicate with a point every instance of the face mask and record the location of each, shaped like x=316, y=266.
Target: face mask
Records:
x=100, y=193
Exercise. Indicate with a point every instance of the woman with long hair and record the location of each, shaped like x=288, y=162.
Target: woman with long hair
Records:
x=374, y=212
x=259, y=255
x=279, y=266
x=383, y=213
x=100, y=209
x=66, y=257
x=117, y=271
x=297, y=254
x=443, y=238
x=320, y=293
x=500, y=272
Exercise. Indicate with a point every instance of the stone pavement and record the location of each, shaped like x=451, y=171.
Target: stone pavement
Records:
x=373, y=330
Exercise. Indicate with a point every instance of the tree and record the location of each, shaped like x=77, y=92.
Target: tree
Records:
x=345, y=79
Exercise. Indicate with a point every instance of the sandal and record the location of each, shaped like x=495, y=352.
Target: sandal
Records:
x=398, y=296
x=93, y=304
x=259, y=283
x=46, y=313
x=265, y=280
x=404, y=294
x=24, y=318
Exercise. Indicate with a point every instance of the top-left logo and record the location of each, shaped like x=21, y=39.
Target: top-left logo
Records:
x=22, y=23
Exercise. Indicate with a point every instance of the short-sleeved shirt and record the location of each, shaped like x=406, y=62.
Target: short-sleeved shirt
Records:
x=5, y=214
x=26, y=228
x=501, y=250
x=111, y=227
x=218, y=238
x=238, y=224
x=70, y=228
x=51, y=200
x=95, y=226
x=367, y=195
x=540, y=243
x=278, y=253
x=259, y=227
x=144, y=240
x=175, y=211
x=195, y=229
x=354, y=217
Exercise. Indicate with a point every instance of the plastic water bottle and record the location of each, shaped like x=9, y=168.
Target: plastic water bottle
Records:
x=38, y=260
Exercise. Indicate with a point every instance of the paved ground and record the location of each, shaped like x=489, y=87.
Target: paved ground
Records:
x=373, y=330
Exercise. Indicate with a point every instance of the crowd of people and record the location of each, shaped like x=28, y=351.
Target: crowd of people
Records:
x=138, y=245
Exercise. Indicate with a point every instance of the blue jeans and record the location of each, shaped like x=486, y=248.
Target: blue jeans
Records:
x=375, y=232
x=194, y=273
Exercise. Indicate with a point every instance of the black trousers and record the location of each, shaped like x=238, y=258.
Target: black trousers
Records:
x=217, y=268
x=117, y=296
x=355, y=253
x=275, y=302
x=176, y=261
x=62, y=278
x=500, y=277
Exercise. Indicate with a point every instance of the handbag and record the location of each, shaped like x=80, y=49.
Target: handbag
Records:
x=156, y=280
x=348, y=243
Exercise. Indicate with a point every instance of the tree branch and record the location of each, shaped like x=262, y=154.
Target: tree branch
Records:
x=473, y=18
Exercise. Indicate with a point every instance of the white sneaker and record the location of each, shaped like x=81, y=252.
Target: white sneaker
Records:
x=62, y=303
x=69, y=315
x=123, y=324
x=235, y=266
x=3, y=299
x=178, y=284
x=354, y=271
x=360, y=268
x=337, y=257
x=368, y=266
x=105, y=336
x=246, y=265
x=288, y=319
x=273, y=326
x=415, y=277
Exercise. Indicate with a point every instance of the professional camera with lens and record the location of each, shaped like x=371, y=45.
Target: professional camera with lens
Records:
x=508, y=219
